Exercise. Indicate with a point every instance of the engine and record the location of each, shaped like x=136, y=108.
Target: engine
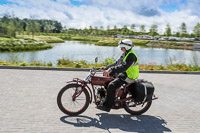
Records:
x=101, y=94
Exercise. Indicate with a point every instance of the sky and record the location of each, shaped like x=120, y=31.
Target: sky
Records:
x=85, y=13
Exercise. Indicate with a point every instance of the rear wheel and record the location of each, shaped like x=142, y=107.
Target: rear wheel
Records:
x=72, y=100
x=136, y=108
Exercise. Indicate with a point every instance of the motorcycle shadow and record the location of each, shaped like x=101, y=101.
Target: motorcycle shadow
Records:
x=124, y=122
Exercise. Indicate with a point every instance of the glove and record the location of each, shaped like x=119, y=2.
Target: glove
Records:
x=107, y=73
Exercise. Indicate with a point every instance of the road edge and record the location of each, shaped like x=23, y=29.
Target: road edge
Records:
x=87, y=69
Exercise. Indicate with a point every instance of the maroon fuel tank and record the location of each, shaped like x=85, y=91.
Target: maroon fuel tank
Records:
x=100, y=80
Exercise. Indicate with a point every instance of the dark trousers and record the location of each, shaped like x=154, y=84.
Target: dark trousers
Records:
x=111, y=89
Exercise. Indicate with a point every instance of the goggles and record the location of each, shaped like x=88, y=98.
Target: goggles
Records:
x=120, y=42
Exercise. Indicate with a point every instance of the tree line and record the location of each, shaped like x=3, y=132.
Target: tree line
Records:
x=153, y=31
x=9, y=25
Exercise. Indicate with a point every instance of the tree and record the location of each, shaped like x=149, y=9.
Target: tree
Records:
x=101, y=32
x=124, y=30
x=95, y=32
x=177, y=34
x=12, y=26
x=47, y=28
x=153, y=30
x=90, y=29
x=142, y=29
x=133, y=27
x=9, y=25
x=196, y=30
x=183, y=30
x=33, y=26
x=108, y=30
x=57, y=27
x=168, y=30
x=115, y=29
x=101, y=27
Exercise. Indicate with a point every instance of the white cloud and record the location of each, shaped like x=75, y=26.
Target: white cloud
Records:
x=108, y=12
x=193, y=6
x=64, y=1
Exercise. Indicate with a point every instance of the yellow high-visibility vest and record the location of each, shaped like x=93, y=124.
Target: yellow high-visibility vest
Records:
x=133, y=71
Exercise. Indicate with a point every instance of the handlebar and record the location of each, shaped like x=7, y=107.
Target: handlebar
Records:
x=94, y=69
x=100, y=69
x=93, y=72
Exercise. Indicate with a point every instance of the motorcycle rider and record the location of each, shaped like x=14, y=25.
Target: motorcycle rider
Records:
x=126, y=68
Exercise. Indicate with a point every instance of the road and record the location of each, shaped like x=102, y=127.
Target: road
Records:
x=28, y=105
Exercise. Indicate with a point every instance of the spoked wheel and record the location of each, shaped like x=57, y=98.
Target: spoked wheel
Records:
x=137, y=108
x=72, y=100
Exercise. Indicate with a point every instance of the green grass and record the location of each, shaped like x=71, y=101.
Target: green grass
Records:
x=171, y=44
x=108, y=41
x=4, y=39
x=12, y=44
x=48, y=39
x=83, y=64
x=175, y=67
x=114, y=42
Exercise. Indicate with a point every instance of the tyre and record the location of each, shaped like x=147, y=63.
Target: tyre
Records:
x=73, y=106
x=136, y=108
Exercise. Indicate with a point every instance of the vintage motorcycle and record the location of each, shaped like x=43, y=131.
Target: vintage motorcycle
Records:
x=74, y=98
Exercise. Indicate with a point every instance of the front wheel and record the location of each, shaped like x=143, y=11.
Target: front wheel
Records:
x=72, y=100
x=136, y=108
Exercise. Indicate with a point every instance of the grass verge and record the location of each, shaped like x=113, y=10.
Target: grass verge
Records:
x=12, y=44
x=48, y=39
x=83, y=64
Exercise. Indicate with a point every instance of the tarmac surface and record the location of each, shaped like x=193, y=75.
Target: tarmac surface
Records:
x=28, y=105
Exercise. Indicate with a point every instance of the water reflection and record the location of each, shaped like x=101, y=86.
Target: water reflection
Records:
x=75, y=50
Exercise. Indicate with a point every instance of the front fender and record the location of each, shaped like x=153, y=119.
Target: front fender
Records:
x=83, y=84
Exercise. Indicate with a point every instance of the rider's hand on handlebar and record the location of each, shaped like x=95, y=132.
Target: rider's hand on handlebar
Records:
x=107, y=73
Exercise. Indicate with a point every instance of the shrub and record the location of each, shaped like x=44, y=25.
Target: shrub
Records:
x=23, y=64
x=6, y=63
x=37, y=64
x=64, y=62
x=78, y=65
x=49, y=64
x=23, y=45
x=108, y=61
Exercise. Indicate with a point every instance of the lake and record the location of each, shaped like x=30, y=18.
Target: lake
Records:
x=75, y=50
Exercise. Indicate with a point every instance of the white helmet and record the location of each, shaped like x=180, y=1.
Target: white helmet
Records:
x=126, y=43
